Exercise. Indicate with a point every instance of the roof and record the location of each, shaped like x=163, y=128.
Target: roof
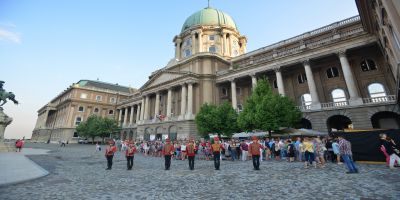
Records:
x=104, y=85
x=209, y=16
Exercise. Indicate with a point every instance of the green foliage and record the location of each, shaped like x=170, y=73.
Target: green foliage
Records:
x=216, y=119
x=96, y=126
x=267, y=111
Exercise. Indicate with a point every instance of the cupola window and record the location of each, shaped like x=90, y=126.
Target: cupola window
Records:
x=212, y=49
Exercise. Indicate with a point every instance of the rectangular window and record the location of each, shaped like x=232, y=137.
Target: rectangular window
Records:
x=111, y=112
x=83, y=96
x=112, y=100
x=98, y=98
x=212, y=37
x=81, y=109
x=238, y=91
x=212, y=49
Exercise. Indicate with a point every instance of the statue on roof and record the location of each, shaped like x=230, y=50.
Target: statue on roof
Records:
x=4, y=95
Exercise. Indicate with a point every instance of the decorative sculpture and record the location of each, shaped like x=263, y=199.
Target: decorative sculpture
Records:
x=4, y=119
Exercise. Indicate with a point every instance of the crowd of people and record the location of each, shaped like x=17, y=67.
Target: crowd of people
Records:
x=314, y=152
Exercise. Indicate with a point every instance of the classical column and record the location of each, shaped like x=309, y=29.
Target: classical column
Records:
x=183, y=101
x=142, y=108
x=233, y=89
x=71, y=117
x=193, y=43
x=131, y=116
x=147, y=107
x=178, y=48
x=225, y=44
x=169, y=102
x=253, y=81
x=137, y=113
x=125, y=117
x=311, y=85
x=157, y=106
x=279, y=81
x=200, y=41
x=349, y=78
x=189, y=112
x=120, y=117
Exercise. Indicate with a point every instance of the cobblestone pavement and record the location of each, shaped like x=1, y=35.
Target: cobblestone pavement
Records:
x=78, y=172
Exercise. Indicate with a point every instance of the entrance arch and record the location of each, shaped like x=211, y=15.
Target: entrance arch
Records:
x=338, y=123
x=147, y=133
x=305, y=123
x=159, y=133
x=386, y=120
x=172, y=133
x=130, y=135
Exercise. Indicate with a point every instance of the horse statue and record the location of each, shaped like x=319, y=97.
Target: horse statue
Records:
x=7, y=95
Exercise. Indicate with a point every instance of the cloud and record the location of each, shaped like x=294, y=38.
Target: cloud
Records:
x=10, y=36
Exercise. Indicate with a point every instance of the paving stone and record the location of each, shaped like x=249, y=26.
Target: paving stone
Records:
x=78, y=172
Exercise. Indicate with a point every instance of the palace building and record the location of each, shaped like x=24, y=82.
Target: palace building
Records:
x=344, y=75
x=58, y=119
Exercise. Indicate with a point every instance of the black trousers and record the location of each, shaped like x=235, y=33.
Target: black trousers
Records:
x=109, y=161
x=129, y=160
x=216, y=160
x=256, y=161
x=167, y=161
x=191, y=162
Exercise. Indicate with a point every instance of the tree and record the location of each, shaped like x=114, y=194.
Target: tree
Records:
x=96, y=126
x=220, y=119
x=268, y=111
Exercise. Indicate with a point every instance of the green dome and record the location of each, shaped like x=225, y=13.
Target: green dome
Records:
x=209, y=16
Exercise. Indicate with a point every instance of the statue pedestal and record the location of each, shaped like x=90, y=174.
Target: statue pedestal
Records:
x=4, y=122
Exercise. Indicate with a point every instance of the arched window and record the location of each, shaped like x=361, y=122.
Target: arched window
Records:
x=338, y=95
x=78, y=120
x=306, y=99
x=302, y=78
x=368, y=65
x=81, y=109
x=332, y=72
x=376, y=90
x=96, y=110
x=187, y=53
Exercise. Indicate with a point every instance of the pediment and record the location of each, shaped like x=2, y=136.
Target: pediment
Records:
x=163, y=77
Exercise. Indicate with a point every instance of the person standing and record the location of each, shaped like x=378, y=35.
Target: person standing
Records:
x=291, y=150
x=245, y=148
x=167, y=151
x=345, y=152
x=129, y=154
x=110, y=150
x=216, y=149
x=335, y=149
x=391, y=150
x=308, y=148
x=191, y=151
x=19, y=144
x=254, y=151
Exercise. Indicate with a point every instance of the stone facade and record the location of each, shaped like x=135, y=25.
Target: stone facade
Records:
x=57, y=120
x=339, y=76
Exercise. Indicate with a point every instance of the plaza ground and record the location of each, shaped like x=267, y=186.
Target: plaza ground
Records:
x=78, y=172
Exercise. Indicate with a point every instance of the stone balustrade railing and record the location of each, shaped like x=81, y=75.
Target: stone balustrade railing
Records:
x=331, y=105
x=377, y=100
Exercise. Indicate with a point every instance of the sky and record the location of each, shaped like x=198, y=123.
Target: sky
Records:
x=47, y=45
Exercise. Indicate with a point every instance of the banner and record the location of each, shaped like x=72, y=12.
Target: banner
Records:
x=366, y=144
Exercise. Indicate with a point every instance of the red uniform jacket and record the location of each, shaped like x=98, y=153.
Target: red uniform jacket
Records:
x=130, y=151
x=190, y=149
x=168, y=149
x=216, y=147
x=254, y=148
x=111, y=150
